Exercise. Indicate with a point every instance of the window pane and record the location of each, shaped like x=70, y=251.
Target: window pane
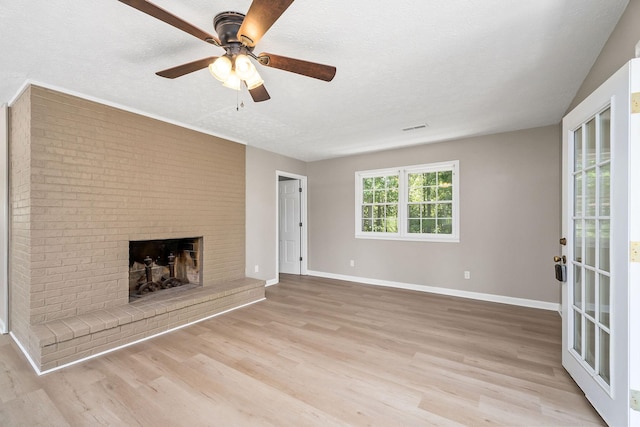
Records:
x=590, y=243
x=605, y=190
x=445, y=210
x=416, y=194
x=431, y=178
x=414, y=210
x=445, y=193
x=444, y=226
x=429, y=210
x=605, y=135
x=367, y=183
x=605, y=256
x=590, y=139
x=379, y=203
x=445, y=178
x=590, y=292
x=604, y=369
x=577, y=241
x=414, y=226
x=430, y=194
x=392, y=211
x=577, y=188
x=590, y=194
x=577, y=143
x=392, y=225
x=429, y=226
x=577, y=286
x=590, y=343
x=577, y=332
x=367, y=212
x=605, y=297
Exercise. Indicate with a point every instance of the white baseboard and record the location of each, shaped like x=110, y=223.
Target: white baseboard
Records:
x=272, y=282
x=26, y=353
x=522, y=302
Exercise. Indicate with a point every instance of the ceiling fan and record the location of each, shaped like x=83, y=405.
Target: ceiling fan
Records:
x=237, y=35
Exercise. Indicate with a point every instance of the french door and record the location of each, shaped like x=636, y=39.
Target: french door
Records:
x=596, y=224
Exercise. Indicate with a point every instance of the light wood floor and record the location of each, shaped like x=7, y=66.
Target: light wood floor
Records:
x=318, y=352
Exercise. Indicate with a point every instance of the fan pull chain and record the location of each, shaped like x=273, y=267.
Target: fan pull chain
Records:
x=239, y=104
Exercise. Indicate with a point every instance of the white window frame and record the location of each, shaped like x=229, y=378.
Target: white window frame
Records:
x=403, y=178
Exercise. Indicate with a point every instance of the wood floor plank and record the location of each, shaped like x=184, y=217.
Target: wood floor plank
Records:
x=318, y=352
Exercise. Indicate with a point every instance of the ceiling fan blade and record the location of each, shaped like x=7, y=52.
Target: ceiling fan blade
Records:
x=260, y=17
x=171, y=19
x=259, y=93
x=298, y=66
x=181, y=70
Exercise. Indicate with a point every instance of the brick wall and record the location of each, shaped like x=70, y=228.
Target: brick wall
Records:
x=88, y=178
x=20, y=220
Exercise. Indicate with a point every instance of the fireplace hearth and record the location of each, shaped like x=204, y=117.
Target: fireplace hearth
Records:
x=156, y=265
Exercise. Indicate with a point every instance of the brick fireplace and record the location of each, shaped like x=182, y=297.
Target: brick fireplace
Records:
x=86, y=180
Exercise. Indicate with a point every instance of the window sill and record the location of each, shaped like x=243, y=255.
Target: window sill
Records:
x=431, y=238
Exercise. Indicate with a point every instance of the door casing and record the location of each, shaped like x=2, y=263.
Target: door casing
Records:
x=303, y=218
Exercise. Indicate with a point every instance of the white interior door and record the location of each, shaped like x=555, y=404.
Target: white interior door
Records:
x=595, y=297
x=289, y=226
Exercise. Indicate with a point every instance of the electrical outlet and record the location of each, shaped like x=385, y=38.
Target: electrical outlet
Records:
x=352, y=263
x=467, y=275
x=256, y=268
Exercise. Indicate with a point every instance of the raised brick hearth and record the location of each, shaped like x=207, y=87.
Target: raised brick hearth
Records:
x=62, y=341
x=86, y=180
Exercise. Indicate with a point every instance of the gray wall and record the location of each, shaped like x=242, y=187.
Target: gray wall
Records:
x=510, y=218
x=618, y=50
x=261, y=205
x=510, y=202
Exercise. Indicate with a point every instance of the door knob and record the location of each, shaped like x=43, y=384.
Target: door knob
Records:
x=560, y=258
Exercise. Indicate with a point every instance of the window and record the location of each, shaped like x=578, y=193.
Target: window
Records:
x=408, y=203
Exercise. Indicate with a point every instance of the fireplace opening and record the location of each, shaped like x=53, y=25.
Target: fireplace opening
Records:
x=156, y=265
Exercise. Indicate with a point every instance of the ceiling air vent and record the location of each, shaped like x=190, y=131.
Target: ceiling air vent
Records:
x=414, y=127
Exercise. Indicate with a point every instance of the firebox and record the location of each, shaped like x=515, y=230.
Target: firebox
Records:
x=156, y=265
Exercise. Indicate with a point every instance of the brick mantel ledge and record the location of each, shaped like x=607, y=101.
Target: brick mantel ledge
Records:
x=63, y=341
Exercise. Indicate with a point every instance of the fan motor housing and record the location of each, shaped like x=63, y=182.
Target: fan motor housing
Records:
x=227, y=25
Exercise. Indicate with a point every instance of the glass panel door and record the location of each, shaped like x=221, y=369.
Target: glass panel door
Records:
x=590, y=290
x=600, y=211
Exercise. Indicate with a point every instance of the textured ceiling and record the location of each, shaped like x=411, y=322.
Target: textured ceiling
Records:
x=461, y=67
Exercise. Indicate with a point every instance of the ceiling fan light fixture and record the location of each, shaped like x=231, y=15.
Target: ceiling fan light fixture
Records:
x=221, y=68
x=254, y=81
x=244, y=67
x=237, y=35
x=232, y=81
